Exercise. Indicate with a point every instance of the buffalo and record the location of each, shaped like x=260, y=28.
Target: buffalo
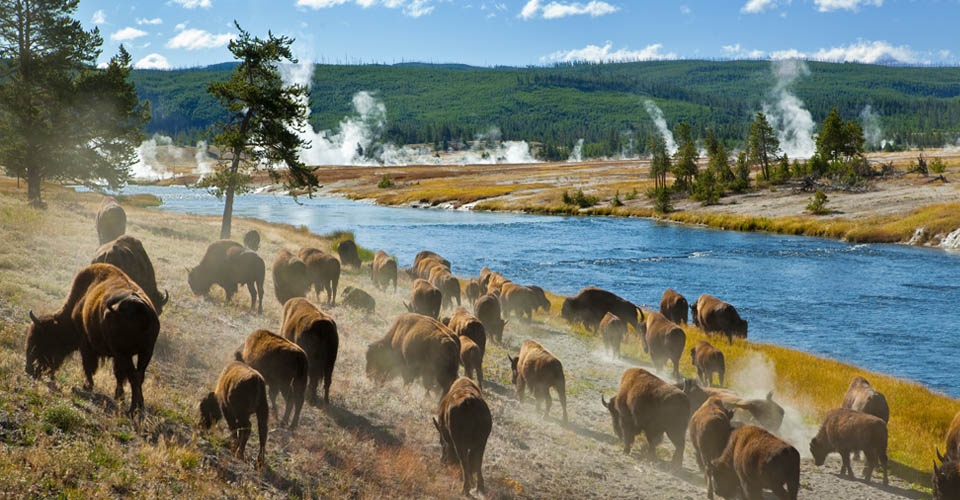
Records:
x=539, y=369
x=519, y=300
x=358, y=299
x=844, y=430
x=946, y=476
x=663, y=340
x=289, y=276
x=240, y=392
x=106, y=315
x=464, y=424
x=465, y=324
x=323, y=271
x=755, y=460
x=861, y=396
x=383, y=270
x=765, y=412
x=316, y=333
x=284, y=367
x=714, y=315
x=612, y=329
x=540, y=301
x=251, y=240
x=447, y=283
x=644, y=403
x=708, y=360
x=349, y=255
x=471, y=357
x=674, y=306
x=111, y=220
x=127, y=253
x=424, y=299
x=427, y=254
x=228, y=264
x=416, y=346
x=472, y=291
x=591, y=304
x=709, y=431
x=487, y=310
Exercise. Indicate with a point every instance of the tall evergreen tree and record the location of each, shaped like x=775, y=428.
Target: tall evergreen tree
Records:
x=659, y=161
x=685, y=159
x=838, y=139
x=763, y=147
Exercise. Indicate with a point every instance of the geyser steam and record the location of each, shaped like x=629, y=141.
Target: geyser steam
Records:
x=792, y=122
x=656, y=114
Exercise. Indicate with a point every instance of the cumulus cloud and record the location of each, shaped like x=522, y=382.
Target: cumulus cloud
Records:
x=410, y=8
x=758, y=6
x=851, y=5
x=193, y=4
x=557, y=10
x=194, y=39
x=99, y=17
x=875, y=52
x=594, y=53
x=127, y=34
x=141, y=21
x=152, y=61
x=736, y=51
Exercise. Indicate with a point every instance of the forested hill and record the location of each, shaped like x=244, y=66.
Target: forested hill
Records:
x=600, y=103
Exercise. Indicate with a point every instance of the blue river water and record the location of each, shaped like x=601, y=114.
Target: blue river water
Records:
x=887, y=308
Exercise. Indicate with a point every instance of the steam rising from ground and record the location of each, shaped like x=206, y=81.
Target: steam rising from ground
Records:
x=791, y=121
x=158, y=158
x=870, y=121
x=656, y=114
x=577, y=153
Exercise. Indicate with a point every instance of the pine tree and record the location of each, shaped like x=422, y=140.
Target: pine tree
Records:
x=763, y=147
x=685, y=159
x=659, y=162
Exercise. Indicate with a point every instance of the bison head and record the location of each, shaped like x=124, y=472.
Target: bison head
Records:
x=568, y=310
x=198, y=282
x=447, y=453
x=946, y=479
x=209, y=411
x=819, y=449
x=381, y=361
x=725, y=481
x=49, y=341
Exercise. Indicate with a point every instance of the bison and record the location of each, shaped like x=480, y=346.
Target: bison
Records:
x=714, y=315
x=424, y=299
x=946, y=476
x=708, y=360
x=111, y=220
x=765, y=412
x=540, y=301
x=106, y=315
x=755, y=460
x=844, y=430
x=465, y=324
x=416, y=346
x=240, y=392
x=674, y=306
x=384, y=270
x=316, y=333
x=472, y=291
x=861, y=396
x=323, y=271
x=228, y=264
x=289, y=276
x=427, y=254
x=251, y=240
x=349, y=255
x=358, y=299
x=644, y=403
x=709, y=429
x=519, y=300
x=663, y=340
x=127, y=253
x=539, y=369
x=284, y=367
x=447, y=283
x=591, y=304
x=487, y=310
x=471, y=357
x=464, y=424
x=612, y=329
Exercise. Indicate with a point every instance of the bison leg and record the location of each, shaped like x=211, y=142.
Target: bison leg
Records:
x=263, y=418
x=845, y=466
x=90, y=363
x=464, y=457
x=129, y=372
x=313, y=382
x=243, y=434
x=120, y=377
x=677, y=438
x=628, y=434
x=653, y=440
x=521, y=387
x=298, y=392
x=288, y=405
x=273, y=400
x=547, y=400
x=871, y=462
x=252, y=288
x=562, y=396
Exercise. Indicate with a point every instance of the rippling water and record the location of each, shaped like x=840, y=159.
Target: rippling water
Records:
x=888, y=308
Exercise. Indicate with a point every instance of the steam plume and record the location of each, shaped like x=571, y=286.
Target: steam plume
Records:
x=787, y=115
x=870, y=121
x=656, y=114
x=577, y=153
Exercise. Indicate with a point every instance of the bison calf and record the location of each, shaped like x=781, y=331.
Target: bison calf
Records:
x=844, y=430
x=316, y=333
x=644, y=403
x=709, y=430
x=283, y=365
x=708, y=360
x=240, y=392
x=612, y=329
x=537, y=368
x=464, y=425
x=755, y=460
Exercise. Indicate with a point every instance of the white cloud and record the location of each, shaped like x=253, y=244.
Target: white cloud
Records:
x=193, y=4
x=152, y=61
x=193, y=39
x=780, y=55
x=411, y=8
x=685, y=10
x=99, y=17
x=180, y=27
x=851, y=5
x=127, y=34
x=736, y=51
x=557, y=10
x=594, y=53
x=141, y=21
x=876, y=52
x=731, y=49
x=758, y=6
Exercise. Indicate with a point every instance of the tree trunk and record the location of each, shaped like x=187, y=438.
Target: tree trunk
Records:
x=33, y=187
x=227, y=214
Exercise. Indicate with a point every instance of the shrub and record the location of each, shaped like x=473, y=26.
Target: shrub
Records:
x=632, y=195
x=385, y=182
x=937, y=166
x=616, y=200
x=579, y=199
x=661, y=202
x=818, y=204
x=61, y=417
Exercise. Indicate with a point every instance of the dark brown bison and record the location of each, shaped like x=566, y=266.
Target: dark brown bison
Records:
x=424, y=299
x=844, y=430
x=383, y=270
x=127, y=253
x=674, y=306
x=349, y=254
x=240, y=392
x=323, y=271
x=663, y=340
x=111, y=220
x=946, y=476
x=464, y=424
x=289, y=276
x=755, y=460
x=416, y=346
x=487, y=311
x=471, y=357
x=644, y=403
x=358, y=299
x=591, y=303
x=519, y=300
x=228, y=264
x=861, y=396
x=106, y=315
x=708, y=360
x=251, y=240
x=316, y=333
x=284, y=367
x=714, y=315
x=612, y=329
x=465, y=324
x=539, y=369
x=448, y=285
x=709, y=431
x=472, y=291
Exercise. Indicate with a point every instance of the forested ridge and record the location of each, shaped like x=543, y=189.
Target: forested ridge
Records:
x=603, y=104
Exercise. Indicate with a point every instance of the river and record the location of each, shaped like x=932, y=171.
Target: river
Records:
x=887, y=308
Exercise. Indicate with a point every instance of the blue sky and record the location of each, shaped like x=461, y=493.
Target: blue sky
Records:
x=188, y=33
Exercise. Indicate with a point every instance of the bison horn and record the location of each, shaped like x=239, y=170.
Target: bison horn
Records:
x=166, y=297
x=939, y=456
x=605, y=404
x=33, y=317
x=436, y=424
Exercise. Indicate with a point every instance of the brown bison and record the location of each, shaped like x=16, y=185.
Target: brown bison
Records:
x=349, y=254
x=323, y=271
x=946, y=476
x=540, y=301
x=106, y=315
x=228, y=264
x=709, y=430
x=714, y=315
x=765, y=412
x=663, y=340
x=495, y=282
x=755, y=460
x=844, y=430
x=519, y=300
x=674, y=306
x=424, y=299
x=127, y=253
x=464, y=424
x=316, y=333
x=111, y=220
x=251, y=240
x=539, y=369
x=592, y=303
x=358, y=299
x=471, y=357
x=416, y=346
x=284, y=367
x=861, y=396
x=612, y=329
x=708, y=360
x=447, y=283
x=427, y=254
x=472, y=291
x=487, y=310
x=465, y=324
x=240, y=392
x=644, y=403
x=423, y=265
x=289, y=276
x=383, y=270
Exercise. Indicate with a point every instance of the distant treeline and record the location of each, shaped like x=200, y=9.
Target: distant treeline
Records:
x=447, y=105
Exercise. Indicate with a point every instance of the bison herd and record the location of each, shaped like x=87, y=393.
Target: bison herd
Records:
x=113, y=308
